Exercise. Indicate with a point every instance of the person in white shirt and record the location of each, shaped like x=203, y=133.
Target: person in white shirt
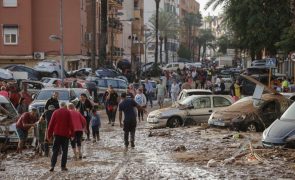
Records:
x=174, y=91
x=140, y=99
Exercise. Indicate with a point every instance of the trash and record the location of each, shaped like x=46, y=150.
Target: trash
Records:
x=181, y=148
x=238, y=136
x=212, y=163
x=229, y=161
x=161, y=133
x=235, y=145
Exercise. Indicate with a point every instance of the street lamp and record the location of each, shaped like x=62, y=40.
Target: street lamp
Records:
x=60, y=39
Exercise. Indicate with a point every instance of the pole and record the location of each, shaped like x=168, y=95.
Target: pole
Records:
x=112, y=38
x=157, y=30
x=61, y=44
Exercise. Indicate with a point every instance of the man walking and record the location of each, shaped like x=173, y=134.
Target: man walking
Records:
x=84, y=106
x=112, y=104
x=149, y=91
x=23, y=124
x=61, y=126
x=161, y=93
x=127, y=106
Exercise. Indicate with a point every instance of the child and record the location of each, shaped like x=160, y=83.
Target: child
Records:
x=41, y=135
x=95, y=124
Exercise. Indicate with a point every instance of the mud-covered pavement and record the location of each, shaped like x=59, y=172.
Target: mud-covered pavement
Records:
x=181, y=153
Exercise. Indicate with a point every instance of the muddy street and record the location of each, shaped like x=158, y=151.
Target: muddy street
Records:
x=181, y=153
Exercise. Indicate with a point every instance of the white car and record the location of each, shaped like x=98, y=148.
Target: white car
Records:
x=49, y=67
x=173, y=66
x=289, y=96
x=192, y=110
x=50, y=82
x=189, y=92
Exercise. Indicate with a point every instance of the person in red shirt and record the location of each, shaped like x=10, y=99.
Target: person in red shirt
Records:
x=23, y=124
x=61, y=127
x=3, y=92
x=25, y=94
x=79, y=123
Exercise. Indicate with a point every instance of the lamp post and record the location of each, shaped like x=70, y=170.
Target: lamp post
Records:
x=60, y=39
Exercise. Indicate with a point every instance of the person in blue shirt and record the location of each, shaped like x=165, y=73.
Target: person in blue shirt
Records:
x=149, y=91
x=95, y=124
x=127, y=106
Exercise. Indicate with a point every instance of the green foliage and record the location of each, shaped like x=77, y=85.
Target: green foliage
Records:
x=184, y=52
x=287, y=42
x=257, y=24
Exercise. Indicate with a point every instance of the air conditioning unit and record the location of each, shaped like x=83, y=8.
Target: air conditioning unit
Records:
x=39, y=55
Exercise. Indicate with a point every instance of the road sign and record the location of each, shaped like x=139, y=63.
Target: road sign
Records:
x=293, y=56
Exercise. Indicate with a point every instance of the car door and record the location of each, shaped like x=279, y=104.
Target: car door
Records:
x=122, y=86
x=220, y=102
x=201, y=109
x=269, y=112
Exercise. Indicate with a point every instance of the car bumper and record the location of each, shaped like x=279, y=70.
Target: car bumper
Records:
x=4, y=139
x=156, y=123
x=221, y=123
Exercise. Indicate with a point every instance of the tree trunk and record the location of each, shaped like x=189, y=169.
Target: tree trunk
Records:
x=104, y=31
x=157, y=30
x=166, y=49
x=161, y=49
x=204, y=50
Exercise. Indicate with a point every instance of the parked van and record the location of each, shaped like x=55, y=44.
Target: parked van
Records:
x=173, y=66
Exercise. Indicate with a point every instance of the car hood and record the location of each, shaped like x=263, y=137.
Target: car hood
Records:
x=278, y=131
x=166, y=112
x=37, y=103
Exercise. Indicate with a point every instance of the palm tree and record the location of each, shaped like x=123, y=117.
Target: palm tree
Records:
x=157, y=30
x=205, y=40
x=168, y=28
x=191, y=21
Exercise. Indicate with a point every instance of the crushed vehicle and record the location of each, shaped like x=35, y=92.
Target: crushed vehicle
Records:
x=249, y=115
x=282, y=131
x=194, y=109
x=8, y=118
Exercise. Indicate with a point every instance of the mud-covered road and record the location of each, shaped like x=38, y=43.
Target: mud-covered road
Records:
x=181, y=153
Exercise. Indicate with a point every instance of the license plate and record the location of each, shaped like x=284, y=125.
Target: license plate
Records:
x=218, y=123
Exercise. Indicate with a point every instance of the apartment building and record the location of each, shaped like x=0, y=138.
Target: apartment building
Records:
x=26, y=25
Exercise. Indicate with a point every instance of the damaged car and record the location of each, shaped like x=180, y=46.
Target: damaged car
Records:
x=194, y=109
x=248, y=114
x=282, y=131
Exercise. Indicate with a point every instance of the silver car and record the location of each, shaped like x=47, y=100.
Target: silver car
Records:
x=193, y=109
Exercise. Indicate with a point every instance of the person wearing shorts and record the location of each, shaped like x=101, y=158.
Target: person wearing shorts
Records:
x=23, y=124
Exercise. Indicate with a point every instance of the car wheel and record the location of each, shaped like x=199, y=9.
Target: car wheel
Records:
x=252, y=127
x=174, y=122
x=54, y=75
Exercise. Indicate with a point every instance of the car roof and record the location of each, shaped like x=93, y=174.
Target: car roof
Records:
x=55, y=89
x=196, y=90
x=3, y=99
x=210, y=95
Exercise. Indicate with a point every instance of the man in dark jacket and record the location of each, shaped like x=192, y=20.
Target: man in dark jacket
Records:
x=53, y=101
x=84, y=106
x=62, y=128
x=127, y=106
x=47, y=116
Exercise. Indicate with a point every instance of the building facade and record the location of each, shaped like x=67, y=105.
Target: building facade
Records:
x=25, y=28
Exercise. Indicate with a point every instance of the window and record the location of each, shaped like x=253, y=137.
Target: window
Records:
x=101, y=83
x=9, y=3
x=200, y=103
x=112, y=82
x=221, y=102
x=10, y=35
x=122, y=85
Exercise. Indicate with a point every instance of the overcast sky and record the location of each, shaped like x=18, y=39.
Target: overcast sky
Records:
x=205, y=13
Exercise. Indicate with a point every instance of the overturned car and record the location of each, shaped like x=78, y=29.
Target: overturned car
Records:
x=249, y=115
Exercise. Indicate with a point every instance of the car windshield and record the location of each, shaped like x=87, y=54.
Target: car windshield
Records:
x=186, y=101
x=78, y=92
x=7, y=109
x=199, y=93
x=289, y=115
x=46, y=94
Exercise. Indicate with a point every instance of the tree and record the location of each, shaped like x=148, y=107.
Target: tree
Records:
x=192, y=20
x=184, y=52
x=168, y=28
x=205, y=40
x=157, y=30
